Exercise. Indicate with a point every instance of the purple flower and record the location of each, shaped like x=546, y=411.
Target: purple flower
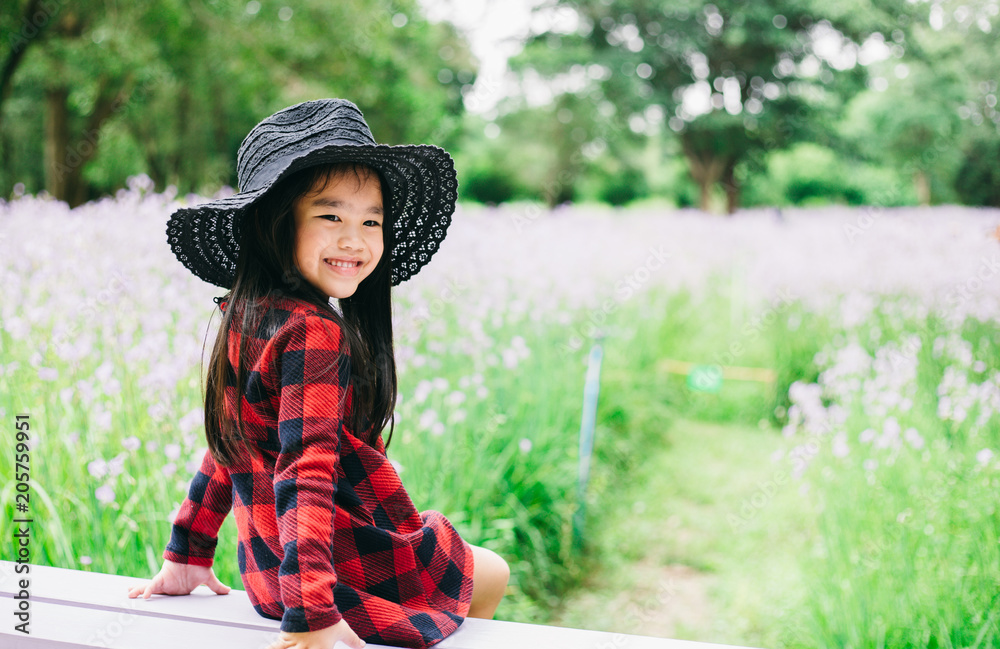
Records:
x=191, y=420
x=105, y=494
x=98, y=468
x=840, y=448
x=116, y=465
x=424, y=388
x=913, y=437
x=427, y=418
x=102, y=420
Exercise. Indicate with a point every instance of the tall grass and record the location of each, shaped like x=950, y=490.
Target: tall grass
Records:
x=890, y=419
x=903, y=473
x=488, y=438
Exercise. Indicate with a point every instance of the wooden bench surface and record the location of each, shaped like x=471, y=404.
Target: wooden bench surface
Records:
x=74, y=608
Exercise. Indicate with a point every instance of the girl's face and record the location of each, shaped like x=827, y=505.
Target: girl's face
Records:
x=338, y=232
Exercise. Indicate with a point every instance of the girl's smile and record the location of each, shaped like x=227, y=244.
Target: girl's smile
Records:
x=338, y=232
x=350, y=268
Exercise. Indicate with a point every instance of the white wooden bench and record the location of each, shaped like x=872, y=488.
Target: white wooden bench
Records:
x=74, y=608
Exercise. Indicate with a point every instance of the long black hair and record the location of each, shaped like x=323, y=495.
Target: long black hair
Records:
x=266, y=268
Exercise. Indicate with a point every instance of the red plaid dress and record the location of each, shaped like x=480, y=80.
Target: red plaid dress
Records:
x=326, y=529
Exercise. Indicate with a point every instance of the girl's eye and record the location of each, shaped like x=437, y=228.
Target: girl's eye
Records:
x=334, y=217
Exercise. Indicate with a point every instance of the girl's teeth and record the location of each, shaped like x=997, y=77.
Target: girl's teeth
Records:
x=343, y=264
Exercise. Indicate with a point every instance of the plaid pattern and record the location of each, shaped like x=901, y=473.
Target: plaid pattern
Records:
x=326, y=529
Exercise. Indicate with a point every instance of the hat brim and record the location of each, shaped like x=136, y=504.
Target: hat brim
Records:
x=422, y=188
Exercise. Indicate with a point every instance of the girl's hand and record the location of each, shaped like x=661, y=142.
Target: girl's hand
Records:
x=179, y=579
x=322, y=639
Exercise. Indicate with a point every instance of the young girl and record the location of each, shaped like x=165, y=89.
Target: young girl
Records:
x=297, y=392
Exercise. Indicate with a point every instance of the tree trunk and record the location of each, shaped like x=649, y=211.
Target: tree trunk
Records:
x=156, y=169
x=707, y=168
x=180, y=156
x=732, y=188
x=559, y=181
x=56, y=141
x=220, y=122
x=706, y=172
x=26, y=33
x=63, y=157
x=64, y=160
x=922, y=185
x=705, y=194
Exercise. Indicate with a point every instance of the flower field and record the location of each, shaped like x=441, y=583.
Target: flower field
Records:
x=878, y=327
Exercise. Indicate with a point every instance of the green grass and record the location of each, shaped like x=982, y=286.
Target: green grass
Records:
x=902, y=553
x=503, y=469
x=707, y=497
x=690, y=502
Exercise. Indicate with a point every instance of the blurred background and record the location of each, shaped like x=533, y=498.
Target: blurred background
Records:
x=713, y=105
x=710, y=350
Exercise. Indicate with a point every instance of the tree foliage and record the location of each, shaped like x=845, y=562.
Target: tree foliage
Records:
x=100, y=88
x=639, y=92
x=733, y=79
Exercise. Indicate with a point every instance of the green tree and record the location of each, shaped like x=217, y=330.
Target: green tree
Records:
x=177, y=84
x=922, y=113
x=912, y=125
x=78, y=67
x=975, y=59
x=734, y=79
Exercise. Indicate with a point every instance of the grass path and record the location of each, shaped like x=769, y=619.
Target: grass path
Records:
x=703, y=544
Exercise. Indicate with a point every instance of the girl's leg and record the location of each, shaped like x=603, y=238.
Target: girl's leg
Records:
x=489, y=580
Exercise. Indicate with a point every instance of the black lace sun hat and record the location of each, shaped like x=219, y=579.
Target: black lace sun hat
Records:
x=421, y=181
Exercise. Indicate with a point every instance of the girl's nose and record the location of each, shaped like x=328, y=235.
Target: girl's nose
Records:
x=351, y=238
